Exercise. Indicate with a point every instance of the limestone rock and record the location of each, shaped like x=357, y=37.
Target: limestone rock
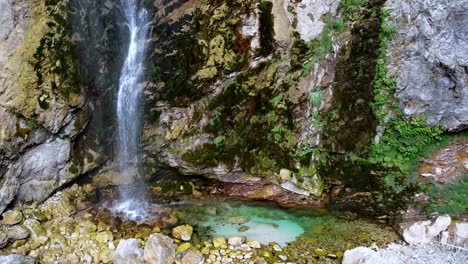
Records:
x=17, y=259
x=183, y=232
x=254, y=244
x=430, y=59
x=104, y=237
x=3, y=240
x=361, y=255
x=12, y=217
x=294, y=188
x=424, y=231
x=219, y=242
x=183, y=247
x=128, y=252
x=192, y=257
x=34, y=227
x=461, y=233
x=159, y=249
x=236, y=241
x=17, y=233
x=239, y=220
x=309, y=15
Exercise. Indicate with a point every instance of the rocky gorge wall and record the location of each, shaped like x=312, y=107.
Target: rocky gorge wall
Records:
x=53, y=74
x=291, y=92
x=276, y=92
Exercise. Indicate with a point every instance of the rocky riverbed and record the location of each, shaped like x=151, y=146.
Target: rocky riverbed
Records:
x=69, y=228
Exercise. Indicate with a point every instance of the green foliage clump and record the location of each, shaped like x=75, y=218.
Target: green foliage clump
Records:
x=353, y=9
x=394, y=158
x=451, y=199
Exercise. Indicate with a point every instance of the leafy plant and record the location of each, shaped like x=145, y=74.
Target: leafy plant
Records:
x=353, y=9
x=451, y=199
x=315, y=98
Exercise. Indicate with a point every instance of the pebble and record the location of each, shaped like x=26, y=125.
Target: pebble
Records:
x=277, y=247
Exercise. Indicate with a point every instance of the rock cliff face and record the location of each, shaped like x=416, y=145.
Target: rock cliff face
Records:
x=430, y=58
x=42, y=107
x=244, y=90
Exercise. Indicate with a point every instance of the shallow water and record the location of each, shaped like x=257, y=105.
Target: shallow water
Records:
x=265, y=223
x=303, y=229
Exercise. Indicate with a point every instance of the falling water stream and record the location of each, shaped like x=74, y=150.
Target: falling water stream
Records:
x=128, y=114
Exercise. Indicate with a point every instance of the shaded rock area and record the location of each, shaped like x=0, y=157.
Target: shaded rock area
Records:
x=263, y=191
x=430, y=59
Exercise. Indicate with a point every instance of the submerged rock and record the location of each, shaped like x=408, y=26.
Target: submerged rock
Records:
x=183, y=232
x=159, y=249
x=128, y=252
x=239, y=220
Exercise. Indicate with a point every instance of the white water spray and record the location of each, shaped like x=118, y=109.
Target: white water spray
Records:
x=128, y=102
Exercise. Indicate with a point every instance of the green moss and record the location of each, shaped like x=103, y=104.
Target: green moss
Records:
x=54, y=63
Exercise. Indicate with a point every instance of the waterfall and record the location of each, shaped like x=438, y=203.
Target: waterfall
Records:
x=128, y=102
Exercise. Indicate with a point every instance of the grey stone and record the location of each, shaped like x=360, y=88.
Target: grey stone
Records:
x=361, y=255
x=429, y=55
x=3, y=240
x=128, y=252
x=17, y=233
x=17, y=259
x=309, y=14
x=236, y=241
x=159, y=249
x=6, y=19
x=192, y=257
x=423, y=232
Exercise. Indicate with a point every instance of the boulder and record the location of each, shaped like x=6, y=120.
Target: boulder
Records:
x=159, y=249
x=17, y=259
x=361, y=255
x=424, y=231
x=17, y=233
x=183, y=232
x=128, y=252
x=461, y=233
x=192, y=257
x=12, y=217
